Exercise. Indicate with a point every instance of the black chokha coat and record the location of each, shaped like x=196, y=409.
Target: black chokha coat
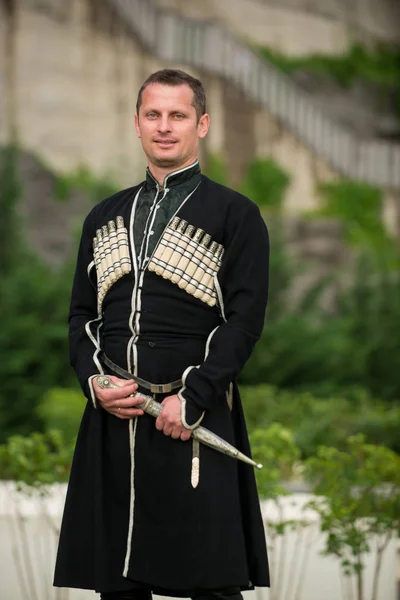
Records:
x=134, y=516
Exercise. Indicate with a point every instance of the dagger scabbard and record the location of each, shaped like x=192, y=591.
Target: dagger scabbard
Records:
x=203, y=435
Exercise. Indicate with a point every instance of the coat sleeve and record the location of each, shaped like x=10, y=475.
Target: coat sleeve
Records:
x=84, y=321
x=243, y=280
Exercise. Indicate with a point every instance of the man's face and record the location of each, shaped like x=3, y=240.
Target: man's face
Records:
x=167, y=125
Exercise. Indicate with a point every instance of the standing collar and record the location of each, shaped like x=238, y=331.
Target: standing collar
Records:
x=176, y=177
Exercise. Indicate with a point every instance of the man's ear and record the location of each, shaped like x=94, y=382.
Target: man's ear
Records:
x=137, y=125
x=203, y=126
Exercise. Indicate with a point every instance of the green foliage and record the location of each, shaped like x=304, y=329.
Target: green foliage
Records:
x=36, y=461
x=326, y=351
x=274, y=447
x=359, y=207
x=304, y=348
x=10, y=189
x=97, y=188
x=314, y=420
x=282, y=268
x=216, y=169
x=34, y=303
x=61, y=409
x=265, y=183
x=360, y=498
x=33, y=341
x=372, y=306
x=380, y=66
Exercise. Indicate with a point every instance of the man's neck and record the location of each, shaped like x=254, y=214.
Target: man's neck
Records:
x=160, y=174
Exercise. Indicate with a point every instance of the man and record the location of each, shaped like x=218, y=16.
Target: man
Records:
x=169, y=299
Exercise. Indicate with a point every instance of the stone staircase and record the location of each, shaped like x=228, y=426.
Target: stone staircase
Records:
x=210, y=48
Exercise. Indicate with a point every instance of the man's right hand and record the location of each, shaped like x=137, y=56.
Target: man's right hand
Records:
x=118, y=401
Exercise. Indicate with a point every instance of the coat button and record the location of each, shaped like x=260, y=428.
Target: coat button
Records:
x=152, y=344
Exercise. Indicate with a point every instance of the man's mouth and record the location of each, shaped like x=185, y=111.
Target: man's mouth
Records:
x=165, y=143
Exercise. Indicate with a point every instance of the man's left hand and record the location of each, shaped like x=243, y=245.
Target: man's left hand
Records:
x=169, y=421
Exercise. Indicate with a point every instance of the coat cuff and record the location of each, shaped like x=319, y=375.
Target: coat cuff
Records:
x=89, y=390
x=191, y=415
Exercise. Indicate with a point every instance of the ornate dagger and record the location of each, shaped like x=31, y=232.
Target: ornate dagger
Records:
x=203, y=435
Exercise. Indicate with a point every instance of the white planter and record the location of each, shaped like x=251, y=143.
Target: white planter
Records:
x=29, y=529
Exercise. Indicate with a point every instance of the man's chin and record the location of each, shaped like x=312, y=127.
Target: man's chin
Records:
x=166, y=161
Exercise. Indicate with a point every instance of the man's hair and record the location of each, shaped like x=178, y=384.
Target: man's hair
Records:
x=175, y=77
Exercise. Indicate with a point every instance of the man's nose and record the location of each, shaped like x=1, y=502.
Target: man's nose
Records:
x=164, y=125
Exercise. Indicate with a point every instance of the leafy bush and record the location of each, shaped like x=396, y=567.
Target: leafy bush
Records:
x=61, y=409
x=11, y=239
x=216, y=169
x=34, y=303
x=315, y=421
x=97, y=188
x=359, y=504
x=36, y=461
x=303, y=348
x=33, y=342
x=265, y=182
x=351, y=344
x=275, y=448
x=380, y=66
x=359, y=207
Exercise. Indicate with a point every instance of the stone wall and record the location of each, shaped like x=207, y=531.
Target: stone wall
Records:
x=369, y=19
x=70, y=75
x=300, y=27
x=77, y=72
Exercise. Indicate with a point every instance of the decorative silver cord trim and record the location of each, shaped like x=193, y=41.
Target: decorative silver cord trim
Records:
x=183, y=414
x=150, y=217
x=132, y=428
x=209, y=341
x=184, y=376
x=132, y=349
x=95, y=341
x=220, y=297
x=90, y=267
x=138, y=310
x=91, y=389
x=183, y=401
x=229, y=396
x=135, y=284
x=196, y=162
x=132, y=439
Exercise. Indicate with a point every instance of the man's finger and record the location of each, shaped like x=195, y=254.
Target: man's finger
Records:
x=167, y=429
x=126, y=402
x=185, y=435
x=121, y=382
x=176, y=433
x=117, y=381
x=159, y=424
x=127, y=413
x=120, y=402
x=114, y=393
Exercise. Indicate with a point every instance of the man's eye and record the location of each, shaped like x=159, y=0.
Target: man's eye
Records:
x=179, y=116
x=151, y=115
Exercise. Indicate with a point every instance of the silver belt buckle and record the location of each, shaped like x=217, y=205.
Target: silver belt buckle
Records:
x=160, y=388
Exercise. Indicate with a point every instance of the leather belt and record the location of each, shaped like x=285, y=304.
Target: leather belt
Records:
x=155, y=388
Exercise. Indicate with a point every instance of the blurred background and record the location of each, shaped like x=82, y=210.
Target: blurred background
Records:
x=304, y=99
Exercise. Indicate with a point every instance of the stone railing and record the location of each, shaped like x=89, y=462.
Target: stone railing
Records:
x=215, y=50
